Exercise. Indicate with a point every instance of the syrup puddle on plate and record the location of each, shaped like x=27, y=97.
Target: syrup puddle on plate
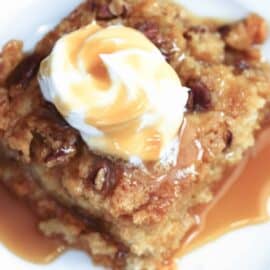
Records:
x=242, y=198
x=19, y=232
x=241, y=201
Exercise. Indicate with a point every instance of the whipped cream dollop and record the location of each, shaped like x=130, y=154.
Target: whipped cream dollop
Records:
x=115, y=87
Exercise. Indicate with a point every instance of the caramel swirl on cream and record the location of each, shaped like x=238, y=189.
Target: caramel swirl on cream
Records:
x=115, y=87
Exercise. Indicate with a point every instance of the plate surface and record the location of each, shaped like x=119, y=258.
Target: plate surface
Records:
x=247, y=248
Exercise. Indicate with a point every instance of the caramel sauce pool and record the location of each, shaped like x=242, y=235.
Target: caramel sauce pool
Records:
x=241, y=201
x=19, y=233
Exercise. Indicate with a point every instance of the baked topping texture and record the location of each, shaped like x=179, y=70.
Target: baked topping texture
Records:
x=125, y=216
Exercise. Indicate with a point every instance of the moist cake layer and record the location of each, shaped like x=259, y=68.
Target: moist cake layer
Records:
x=137, y=214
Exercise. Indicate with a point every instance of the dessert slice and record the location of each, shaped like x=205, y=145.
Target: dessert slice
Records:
x=95, y=175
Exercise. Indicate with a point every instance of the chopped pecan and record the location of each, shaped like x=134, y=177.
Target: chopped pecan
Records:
x=59, y=155
x=54, y=141
x=224, y=30
x=151, y=30
x=102, y=177
x=241, y=66
x=190, y=101
x=25, y=71
x=118, y=8
x=228, y=139
x=103, y=13
x=200, y=96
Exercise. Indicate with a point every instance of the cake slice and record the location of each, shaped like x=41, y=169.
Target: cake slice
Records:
x=128, y=216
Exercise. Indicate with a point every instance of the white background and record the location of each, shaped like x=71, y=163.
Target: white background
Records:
x=247, y=249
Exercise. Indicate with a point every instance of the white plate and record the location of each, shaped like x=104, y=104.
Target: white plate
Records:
x=247, y=248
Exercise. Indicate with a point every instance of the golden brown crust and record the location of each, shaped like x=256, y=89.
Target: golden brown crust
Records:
x=242, y=35
x=10, y=56
x=229, y=88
